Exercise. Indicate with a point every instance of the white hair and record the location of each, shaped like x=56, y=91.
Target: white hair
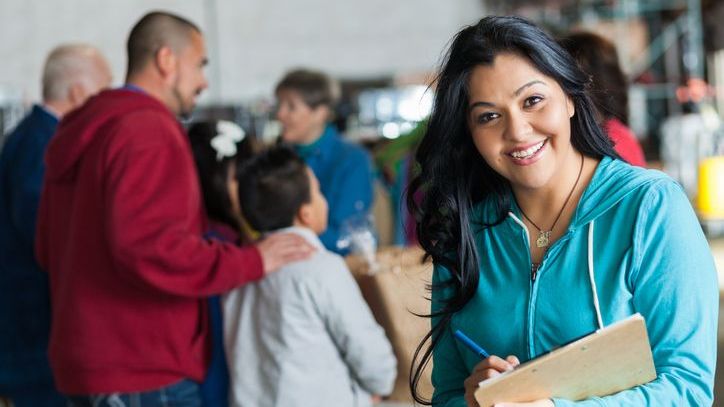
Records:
x=67, y=65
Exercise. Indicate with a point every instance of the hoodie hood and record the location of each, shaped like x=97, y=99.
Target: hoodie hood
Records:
x=79, y=129
x=612, y=181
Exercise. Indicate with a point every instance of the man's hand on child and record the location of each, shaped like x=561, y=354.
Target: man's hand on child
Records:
x=279, y=249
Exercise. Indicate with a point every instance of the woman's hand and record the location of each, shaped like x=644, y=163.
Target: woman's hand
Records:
x=490, y=367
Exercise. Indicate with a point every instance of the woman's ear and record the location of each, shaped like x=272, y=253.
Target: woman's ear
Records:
x=570, y=107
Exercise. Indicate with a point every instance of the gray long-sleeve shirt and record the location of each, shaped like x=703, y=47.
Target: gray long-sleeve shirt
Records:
x=304, y=336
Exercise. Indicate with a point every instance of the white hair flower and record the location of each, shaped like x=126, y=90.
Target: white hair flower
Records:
x=228, y=134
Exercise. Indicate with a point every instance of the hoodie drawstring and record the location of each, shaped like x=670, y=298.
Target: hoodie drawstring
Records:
x=533, y=267
x=591, y=272
x=591, y=276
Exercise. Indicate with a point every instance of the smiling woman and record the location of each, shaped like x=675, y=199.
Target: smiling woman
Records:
x=515, y=174
x=516, y=122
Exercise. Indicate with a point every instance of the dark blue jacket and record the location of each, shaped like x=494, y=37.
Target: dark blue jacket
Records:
x=24, y=298
x=345, y=175
x=215, y=387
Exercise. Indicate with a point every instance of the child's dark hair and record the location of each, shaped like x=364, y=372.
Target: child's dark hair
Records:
x=272, y=187
x=213, y=169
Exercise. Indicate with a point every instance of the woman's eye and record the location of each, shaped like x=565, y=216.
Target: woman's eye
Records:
x=532, y=101
x=486, y=117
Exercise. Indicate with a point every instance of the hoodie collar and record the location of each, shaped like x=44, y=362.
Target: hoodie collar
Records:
x=44, y=118
x=47, y=111
x=319, y=146
x=612, y=181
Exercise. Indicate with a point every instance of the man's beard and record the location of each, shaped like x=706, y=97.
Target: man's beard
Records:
x=184, y=112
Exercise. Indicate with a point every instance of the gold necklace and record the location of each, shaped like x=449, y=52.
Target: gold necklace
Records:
x=544, y=236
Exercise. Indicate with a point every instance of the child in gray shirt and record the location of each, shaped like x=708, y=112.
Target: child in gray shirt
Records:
x=302, y=336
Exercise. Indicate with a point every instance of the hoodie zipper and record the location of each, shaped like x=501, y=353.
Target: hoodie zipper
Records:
x=531, y=290
x=533, y=267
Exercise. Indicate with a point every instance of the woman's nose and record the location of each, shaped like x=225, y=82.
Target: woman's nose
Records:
x=518, y=127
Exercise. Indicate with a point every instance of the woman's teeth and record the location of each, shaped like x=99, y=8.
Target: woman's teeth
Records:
x=527, y=152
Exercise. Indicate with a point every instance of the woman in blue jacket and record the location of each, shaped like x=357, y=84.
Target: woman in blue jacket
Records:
x=306, y=101
x=540, y=233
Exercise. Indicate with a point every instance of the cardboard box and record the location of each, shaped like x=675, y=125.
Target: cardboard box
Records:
x=395, y=292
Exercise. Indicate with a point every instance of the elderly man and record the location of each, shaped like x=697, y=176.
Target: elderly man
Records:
x=120, y=232
x=71, y=74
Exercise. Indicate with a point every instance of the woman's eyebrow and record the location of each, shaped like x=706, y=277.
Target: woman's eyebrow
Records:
x=531, y=83
x=516, y=93
x=481, y=103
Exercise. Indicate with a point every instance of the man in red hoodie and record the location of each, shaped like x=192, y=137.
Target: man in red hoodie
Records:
x=119, y=231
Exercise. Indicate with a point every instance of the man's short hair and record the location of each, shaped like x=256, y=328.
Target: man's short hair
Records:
x=67, y=65
x=315, y=88
x=154, y=31
x=272, y=187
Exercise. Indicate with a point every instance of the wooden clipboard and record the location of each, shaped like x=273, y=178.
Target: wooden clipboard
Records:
x=607, y=361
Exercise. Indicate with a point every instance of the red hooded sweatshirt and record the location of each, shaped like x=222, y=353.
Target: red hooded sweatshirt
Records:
x=120, y=232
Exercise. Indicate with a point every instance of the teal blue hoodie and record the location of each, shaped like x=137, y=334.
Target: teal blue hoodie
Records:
x=647, y=254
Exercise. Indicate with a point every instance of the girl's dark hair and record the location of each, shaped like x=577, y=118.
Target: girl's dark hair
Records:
x=598, y=58
x=214, y=171
x=453, y=177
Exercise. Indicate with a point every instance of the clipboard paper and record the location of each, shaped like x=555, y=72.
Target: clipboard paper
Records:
x=607, y=361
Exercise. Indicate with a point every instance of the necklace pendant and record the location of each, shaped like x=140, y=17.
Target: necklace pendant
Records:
x=543, y=238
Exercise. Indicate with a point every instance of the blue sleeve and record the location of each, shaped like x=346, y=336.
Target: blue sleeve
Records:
x=675, y=288
x=27, y=181
x=448, y=368
x=350, y=196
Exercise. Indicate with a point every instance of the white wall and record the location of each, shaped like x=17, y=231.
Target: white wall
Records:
x=251, y=43
x=31, y=28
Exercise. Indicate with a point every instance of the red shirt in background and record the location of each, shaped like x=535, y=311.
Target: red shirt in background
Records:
x=625, y=142
x=120, y=232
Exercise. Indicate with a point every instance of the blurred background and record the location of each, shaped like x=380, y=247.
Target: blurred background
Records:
x=384, y=55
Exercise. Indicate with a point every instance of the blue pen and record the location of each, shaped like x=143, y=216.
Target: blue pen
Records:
x=471, y=345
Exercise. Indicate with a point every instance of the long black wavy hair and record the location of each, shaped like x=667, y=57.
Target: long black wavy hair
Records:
x=452, y=176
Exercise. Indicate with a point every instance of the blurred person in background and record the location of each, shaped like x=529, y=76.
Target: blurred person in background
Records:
x=220, y=148
x=120, y=232
x=395, y=162
x=304, y=336
x=71, y=74
x=608, y=88
x=691, y=136
x=306, y=101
